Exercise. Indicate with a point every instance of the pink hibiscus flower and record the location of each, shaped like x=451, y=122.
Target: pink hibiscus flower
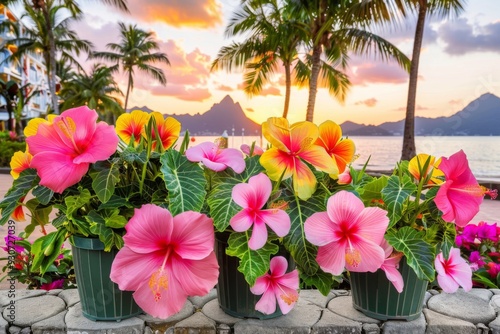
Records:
x=348, y=235
x=453, y=272
x=277, y=285
x=460, y=195
x=252, y=197
x=165, y=259
x=391, y=265
x=63, y=150
x=216, y=158
x=256, y=150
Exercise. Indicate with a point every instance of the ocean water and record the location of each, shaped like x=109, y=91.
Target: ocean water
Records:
x=483, y=153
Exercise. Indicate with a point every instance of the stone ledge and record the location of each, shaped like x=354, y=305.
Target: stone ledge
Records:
x=476, y=311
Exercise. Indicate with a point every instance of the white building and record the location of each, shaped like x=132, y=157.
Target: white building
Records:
x=30, y=69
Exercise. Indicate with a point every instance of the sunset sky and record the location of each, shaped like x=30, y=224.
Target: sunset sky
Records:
x=459, y=62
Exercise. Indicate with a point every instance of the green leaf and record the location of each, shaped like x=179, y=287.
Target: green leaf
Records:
x=104, y=182
x=115, y=219
x=74, y=203
x=373, y=189
x=253, y=263
x=320, y=280
x=39, y=215
x=116, y=201
x=107, y=235
x=20, y=187
x=395, y=194
x=46, y=250
x=302, y=251
x=219, y=199
x=43, y=194
x=185, y=182
x=419, y=254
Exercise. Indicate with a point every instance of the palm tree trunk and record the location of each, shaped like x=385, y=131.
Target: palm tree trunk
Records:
x=129, y=85
x=409, y=149
x=288, y=85
x=51, y=61
x=313, y=82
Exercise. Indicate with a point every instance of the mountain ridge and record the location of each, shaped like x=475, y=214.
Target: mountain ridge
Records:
x=481, y=117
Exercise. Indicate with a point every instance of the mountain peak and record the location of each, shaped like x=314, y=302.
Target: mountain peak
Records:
x=227, y=100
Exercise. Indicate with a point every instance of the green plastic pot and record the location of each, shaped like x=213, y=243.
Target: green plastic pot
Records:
x=233, y=291
x=101, y=299
x=375, y=296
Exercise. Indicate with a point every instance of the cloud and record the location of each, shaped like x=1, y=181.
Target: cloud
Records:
x=199, y=14
x=417, y=107
x=456, y=102
x=368, y=71
x=461, y=37
x=405, y=33
x=371, y=102
x=195, y=94
x=269, y=90
x=250, y=109
x=225, y=88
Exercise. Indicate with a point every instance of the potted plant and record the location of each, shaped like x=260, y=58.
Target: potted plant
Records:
x=95, y=177
x=426, y=199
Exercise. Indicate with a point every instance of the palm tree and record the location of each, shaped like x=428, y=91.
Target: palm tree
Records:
x=274, y=37
x=36, y=37
x=135, y=52
x=43, y=7
x=424, y=8
x=97, y=90
x=334, y=31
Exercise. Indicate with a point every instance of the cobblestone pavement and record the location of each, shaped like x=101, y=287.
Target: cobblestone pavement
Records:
x=59, y=311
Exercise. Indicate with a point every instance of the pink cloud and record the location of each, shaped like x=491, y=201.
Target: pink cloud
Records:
x=250, y=109
x=200, y=14
x=269, y=90
x=371, y=102
x=417, y=107
x=180, y=92
x=370, y=71
x=224, y=88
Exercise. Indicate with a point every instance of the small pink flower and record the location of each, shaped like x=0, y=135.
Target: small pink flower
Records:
x=64, y=149
x=10, y=243
x=277, y=285
x=460, y=195
x=453, y=272
x=252, y=197
x=348, y=235
x=391, y=265
x=256, y=150
x=345, y=177
x=57, y=284
x=165, y=259
x=216, y=158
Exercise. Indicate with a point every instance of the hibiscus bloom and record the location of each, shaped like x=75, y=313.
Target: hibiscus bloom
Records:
x=131, y=125
x=277, y=285
x=330, y=138
x=216, y=158
x=460, y=195
x=256, y=150
x=345, y=177
x=292, y=146
x=348, y=235
x=63, y=151
x=391, y=265
x=19, y=162
x=252, y=197
x=165, y=259
x=168, y=130
x=453, y=272
x=416, y=168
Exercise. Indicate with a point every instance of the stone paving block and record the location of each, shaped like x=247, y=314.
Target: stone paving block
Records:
x=199, y=302
x=343, y=306
x=198, y=323
x=416, y=326
x=484, y=294
x=371, y=329
x=214, y=312
x=341, y=292
x=76, y=323
x=316, y=297
x=14, y=330
x=427, y=296
x=333, y=323
x=495, y=325
x=495, y=302
x=54, y=292
x=163, y=324
x=24, y=315
x=52, y=325
x=6, y=296
x=441, y=324
x=3, y=325
x=300, y=320
x=463, y=305
x=495, y=291
x=70, y=297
